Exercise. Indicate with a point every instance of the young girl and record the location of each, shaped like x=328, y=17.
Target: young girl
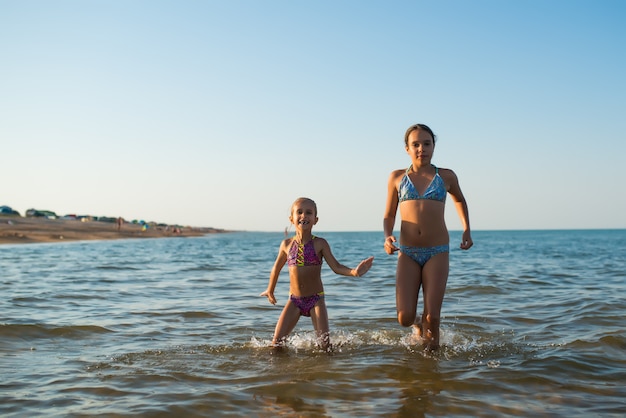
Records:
x=420, y=191
x=303, y=254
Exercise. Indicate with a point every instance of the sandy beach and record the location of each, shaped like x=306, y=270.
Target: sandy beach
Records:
x=17, y=230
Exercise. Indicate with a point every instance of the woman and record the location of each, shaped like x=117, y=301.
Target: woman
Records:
x=420, y=192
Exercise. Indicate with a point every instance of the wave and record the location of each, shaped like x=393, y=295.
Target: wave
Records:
x=184, y=314
x=206, y=267
x=35, y=331
x=116, y=267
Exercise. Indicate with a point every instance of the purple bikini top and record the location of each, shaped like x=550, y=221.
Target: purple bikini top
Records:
x=302, y=255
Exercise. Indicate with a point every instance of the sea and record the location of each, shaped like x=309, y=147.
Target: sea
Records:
x=533, y=324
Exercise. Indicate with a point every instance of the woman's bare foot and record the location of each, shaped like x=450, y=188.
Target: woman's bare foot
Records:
x=430, y=334
x=417, y=328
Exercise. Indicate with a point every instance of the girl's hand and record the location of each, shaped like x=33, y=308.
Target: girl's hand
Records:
x=390, y=248
x=270, y=296
x=363, y=267
x=466, y=241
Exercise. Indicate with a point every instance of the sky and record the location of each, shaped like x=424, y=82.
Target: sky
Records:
x=221, y=113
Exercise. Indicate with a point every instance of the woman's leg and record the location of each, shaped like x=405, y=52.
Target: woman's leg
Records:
x=408, y=281
x=434, y=280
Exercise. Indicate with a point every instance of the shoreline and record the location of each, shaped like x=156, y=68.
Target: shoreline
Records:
x=19, y=230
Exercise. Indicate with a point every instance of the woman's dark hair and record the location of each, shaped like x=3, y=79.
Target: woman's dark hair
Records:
x=417, y=127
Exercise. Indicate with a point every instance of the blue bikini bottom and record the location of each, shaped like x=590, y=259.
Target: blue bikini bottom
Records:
x=422, y=254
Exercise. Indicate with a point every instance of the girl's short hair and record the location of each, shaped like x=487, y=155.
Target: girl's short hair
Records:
x=303, y=199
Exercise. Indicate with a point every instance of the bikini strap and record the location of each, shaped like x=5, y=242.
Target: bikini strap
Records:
x=411, y=166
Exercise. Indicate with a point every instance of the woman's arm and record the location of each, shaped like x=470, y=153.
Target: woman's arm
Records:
x=461, y=208
x=391, y=208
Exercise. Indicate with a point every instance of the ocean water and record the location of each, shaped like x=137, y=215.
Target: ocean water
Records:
x=532, y=325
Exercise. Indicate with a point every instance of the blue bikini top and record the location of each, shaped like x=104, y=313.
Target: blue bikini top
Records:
x=436, y=190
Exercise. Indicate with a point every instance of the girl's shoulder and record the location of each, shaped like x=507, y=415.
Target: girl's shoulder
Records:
x=286, y=243
x=319, y=242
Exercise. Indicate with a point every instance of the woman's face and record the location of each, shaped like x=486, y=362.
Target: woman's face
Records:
x=420, y=146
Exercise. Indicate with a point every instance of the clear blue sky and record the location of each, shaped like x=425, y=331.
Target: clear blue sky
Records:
x=221, y=113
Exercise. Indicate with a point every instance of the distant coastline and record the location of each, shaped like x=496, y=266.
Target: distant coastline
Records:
x=22, y=230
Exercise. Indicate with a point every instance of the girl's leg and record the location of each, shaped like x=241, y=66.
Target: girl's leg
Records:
x=286, y=323
x=319, y=317
x=434, y=280
x=408, y=281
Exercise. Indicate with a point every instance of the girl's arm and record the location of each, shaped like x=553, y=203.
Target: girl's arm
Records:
x=339, y=268
x=281, y=259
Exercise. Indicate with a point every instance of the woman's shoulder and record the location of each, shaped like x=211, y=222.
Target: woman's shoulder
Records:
x=397, y=173
x=447, y=174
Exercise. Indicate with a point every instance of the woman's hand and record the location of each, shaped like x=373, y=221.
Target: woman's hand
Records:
x=466, y=241
x=390, y=247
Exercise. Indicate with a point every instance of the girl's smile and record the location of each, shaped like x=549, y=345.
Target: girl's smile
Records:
x=304, y=214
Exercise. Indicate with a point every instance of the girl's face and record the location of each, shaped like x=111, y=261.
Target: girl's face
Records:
x=420, y=146
x=303, y=214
